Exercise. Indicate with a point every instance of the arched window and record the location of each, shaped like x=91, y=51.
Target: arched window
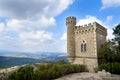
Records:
x=83, y=47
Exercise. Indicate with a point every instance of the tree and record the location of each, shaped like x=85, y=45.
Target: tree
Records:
x=106, y=52
x=109, y=52
x=116, y=32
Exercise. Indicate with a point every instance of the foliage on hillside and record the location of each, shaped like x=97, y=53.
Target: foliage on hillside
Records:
x=7, y=61
x=15, y=61
x=116, y=32
x=110, y=53
x=113, y=67
x=47, y=71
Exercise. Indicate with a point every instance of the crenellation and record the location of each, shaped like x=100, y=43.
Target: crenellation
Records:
x=89, y=24
x=90, y=27
x=82, y=25
x=71, y=17
x=85, y=25
x=71, y=20
x=84, y=28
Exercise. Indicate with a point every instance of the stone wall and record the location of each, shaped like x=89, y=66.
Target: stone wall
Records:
x=91, y=63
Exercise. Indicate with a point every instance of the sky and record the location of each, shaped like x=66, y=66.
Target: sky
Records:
x=39, y=25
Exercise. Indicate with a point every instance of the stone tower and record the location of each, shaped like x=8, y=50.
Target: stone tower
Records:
x=71, y=22
x=84, y=42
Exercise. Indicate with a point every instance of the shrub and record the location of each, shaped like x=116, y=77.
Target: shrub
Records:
x=24, y=73
x=46, y=71
x=113, y=67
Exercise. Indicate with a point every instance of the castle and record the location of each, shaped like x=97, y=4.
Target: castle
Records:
x=84, y=42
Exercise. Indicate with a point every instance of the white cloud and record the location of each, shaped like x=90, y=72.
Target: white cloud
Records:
x=64, y=44
x=90, y=19
x=28, y=25
x=108, y=19
x=110, y=34
x=8, y=43
x=31, y=20
x=1, y=27
x=32, y=15
x=110, y=3
x=14, y=25
x=33, y=8
x=40, y=36
x=64, y=36
x=36, y=40
x=33, y=41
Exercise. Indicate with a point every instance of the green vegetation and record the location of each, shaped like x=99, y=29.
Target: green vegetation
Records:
x=6, y=62
x=110, y=53
x=113, y=67
x=116, y=32
x=45, y=71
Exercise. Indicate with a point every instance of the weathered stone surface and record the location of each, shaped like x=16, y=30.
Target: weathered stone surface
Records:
x=88, y=76
x=103, y=73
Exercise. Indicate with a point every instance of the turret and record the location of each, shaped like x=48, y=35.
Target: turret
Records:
x=70, y=23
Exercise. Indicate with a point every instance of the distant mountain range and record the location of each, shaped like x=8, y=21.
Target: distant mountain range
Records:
x=8, y=59
x=36, y=55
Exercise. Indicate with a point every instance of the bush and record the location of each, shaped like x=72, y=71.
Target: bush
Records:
x=47, y=71
x=24, y=73
x=113, y=67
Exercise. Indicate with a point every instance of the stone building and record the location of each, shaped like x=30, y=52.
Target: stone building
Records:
x=84, y=42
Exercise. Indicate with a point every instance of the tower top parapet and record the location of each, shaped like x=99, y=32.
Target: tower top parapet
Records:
x=90, y=28
x=71, y=20
x=91, y=25
x=71, y=17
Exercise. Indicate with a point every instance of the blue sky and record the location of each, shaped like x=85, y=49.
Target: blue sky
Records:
x=39, y=25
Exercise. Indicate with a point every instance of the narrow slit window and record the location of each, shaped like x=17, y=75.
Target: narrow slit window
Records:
x=83, y=47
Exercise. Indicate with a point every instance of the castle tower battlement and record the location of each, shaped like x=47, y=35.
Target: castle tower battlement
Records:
x=90, y=28
x=71, y=20
x=84, y=42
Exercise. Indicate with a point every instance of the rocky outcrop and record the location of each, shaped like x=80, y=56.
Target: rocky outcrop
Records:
x=101, y=75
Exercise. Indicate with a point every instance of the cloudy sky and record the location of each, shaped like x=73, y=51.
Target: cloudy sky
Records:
x=39, y=25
